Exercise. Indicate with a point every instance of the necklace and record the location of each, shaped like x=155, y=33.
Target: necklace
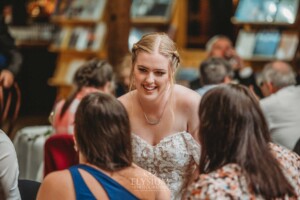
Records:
x=153, y=122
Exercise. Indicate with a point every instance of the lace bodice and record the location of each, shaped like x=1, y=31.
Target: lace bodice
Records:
x=171, y=159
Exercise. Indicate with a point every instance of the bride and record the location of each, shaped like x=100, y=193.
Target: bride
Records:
x=163, y=115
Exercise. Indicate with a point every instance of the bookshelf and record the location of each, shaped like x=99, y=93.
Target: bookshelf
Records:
x=267, y=30
x=80, y=34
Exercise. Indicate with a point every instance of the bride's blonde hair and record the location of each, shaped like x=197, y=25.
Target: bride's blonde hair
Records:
x=162, y=43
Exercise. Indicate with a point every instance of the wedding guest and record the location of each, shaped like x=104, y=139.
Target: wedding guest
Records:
x=281, y=103
x=9, y=168
x=214, y=71
x=94, y=76
x=238, y=159
x=220, y=46
x=102, y=138
x=163, y=115
x=10, y=58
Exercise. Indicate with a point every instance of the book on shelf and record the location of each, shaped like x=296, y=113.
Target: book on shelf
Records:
x=61, y=7
x=266, y=43
x=71, y=69
x=287, y=11
x=82, y=39
x=150, y=9
x=57, y=37
x=75, y=9
x=80, y=9
x=282, y=11
x=135, y=34
x=62, y=37
x=99, y=36
x=256, y=10
x=94, y=9
x=287, y=46
x=74, y=38
x=245, y=43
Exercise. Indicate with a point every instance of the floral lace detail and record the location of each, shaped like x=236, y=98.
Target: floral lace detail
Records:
x=172, y=159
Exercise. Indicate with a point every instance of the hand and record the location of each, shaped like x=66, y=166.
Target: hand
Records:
x=6, y=78
x=234, y=59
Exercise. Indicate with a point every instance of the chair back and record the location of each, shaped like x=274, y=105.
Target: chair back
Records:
x=28, y=189
x=10, y=101
x=59, y=153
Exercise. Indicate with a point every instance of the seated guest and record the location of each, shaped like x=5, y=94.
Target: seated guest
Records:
x=95, y=75
x=281, y=105
x=220, y=46
x=102, y=134
x=238, y=160
x=9, y=168
x=214, y=71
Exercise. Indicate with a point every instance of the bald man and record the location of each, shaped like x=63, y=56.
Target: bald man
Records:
x=281, y=105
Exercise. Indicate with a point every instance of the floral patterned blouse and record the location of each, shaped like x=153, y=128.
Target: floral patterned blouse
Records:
x=229, y=182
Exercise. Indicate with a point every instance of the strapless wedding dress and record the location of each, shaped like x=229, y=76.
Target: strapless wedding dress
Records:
x=172, y=159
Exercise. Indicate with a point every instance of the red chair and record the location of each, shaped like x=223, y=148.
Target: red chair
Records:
x=59, y=153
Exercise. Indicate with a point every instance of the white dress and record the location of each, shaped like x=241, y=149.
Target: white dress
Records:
x=172, y=159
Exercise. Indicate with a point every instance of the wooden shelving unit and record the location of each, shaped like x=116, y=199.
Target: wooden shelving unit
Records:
x=79, y=37
x=259, y=25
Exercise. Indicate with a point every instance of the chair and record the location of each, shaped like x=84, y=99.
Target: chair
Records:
x=59, y=153
x=10, y=101
x=29, y=143
x=28, y=189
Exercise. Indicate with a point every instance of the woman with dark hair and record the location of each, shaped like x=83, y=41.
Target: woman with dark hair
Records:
x=93, y=76
x=102, y=137
x=238, y=160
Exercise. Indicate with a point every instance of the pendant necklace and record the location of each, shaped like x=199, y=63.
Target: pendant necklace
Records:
x=153, y=122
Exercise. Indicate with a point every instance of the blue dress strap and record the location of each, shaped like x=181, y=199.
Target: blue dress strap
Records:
x=114, y=190
x=81, y=189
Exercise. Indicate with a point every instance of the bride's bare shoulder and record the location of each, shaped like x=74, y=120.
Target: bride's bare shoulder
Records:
x=185, y=96
x=126, y=98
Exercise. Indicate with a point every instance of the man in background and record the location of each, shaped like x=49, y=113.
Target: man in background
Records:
x=281, y=105
x=220, y=46
x=10, y=57
x=214, y=71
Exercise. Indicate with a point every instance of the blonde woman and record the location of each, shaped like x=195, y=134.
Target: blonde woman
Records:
x=163, y=115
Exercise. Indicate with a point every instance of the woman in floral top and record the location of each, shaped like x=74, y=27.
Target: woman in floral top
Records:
x=238, y=160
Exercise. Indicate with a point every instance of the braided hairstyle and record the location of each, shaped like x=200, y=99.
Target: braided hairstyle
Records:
x=94, y=73
x=163, y=44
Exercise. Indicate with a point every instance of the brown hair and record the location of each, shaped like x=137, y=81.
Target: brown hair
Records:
x=94, y=73
x=234, y=130
x=163, y=44
x=102, y=132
